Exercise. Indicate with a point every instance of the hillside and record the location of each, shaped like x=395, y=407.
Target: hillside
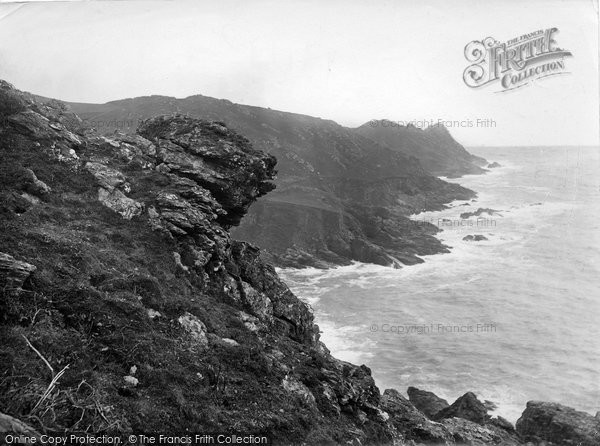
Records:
x=340, y=196
x=127, y=307
x=434, y=147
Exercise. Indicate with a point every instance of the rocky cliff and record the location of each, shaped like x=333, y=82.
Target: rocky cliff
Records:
x=340, y=196
x=433, y=146
x=126, y=305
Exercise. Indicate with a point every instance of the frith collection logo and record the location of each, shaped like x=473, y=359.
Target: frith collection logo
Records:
x=515, y=63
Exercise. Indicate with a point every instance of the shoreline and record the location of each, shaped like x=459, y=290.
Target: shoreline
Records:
x=336, y=340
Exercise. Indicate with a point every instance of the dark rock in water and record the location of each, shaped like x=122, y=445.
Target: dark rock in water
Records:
x=479, y=212
x=415, y=427
x=490, y=405
x=561, y=425
x=13, y=272
x=427, y=402
x=467, y=407
x=474, y=238
x=494, y=164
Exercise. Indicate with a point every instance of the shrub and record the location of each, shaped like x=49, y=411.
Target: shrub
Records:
x=10, y=103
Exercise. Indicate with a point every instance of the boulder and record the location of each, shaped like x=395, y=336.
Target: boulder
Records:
x=562, y=425
x=502, y=423
x=13, y=272
x=32, y=185
x=427, y=402
x=467, y=407
x=120, y=203
x=105, y=176
x=410, y=422
x=196, y=328
x=213, y=156
x=479, y=212
x=294, y=386
x=474, y=238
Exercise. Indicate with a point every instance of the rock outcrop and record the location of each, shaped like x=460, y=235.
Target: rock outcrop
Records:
x=479, y=212
x=556, y=424
x=433, y=146
x=467, y=407
x=475, y=238
x=13, y=272
x=119, y=272
x=340, y=196
x=124, y=273
x=427, y=402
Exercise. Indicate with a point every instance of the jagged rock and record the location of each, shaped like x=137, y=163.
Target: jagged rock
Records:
x=257, y=303
x=252, y=323
x=558, y=424
x=31, y=184
x=181, y=266
x=412, y=423
x=292, y=313
x=330, y=400
x=467, y=407
x=107, y=177
x=474, y=238
x=292, y=385
x=427, y=402
x=230, y=342
x=131, y=380
x=490, y=405
x=195, y=327
x=59, y=144
x=465, y=432
x=214, y=157
x=354, y=170
x=13, y=272
x=502, y=423
x=120, y=203
x=479, y=212
x=153, y=313
x=493, y=165
x=110, y=294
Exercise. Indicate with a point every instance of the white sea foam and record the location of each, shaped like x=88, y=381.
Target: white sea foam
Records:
x=536, y=278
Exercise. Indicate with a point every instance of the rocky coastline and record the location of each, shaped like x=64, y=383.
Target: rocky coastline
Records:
x=342, y=194
x=128, y=307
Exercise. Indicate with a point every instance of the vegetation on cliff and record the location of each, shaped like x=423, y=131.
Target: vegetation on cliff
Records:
x=126, y=305
x=340, y=196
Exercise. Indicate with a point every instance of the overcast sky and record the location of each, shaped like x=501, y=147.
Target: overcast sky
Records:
x=350, y=61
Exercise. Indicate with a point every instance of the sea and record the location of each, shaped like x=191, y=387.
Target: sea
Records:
x=512, y=318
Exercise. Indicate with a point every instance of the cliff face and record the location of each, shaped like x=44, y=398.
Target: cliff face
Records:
x=118, y=267
x=126, y=305
x=340, y=196
x=434, y=147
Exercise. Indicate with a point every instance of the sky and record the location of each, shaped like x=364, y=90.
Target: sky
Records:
x=347, y=60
